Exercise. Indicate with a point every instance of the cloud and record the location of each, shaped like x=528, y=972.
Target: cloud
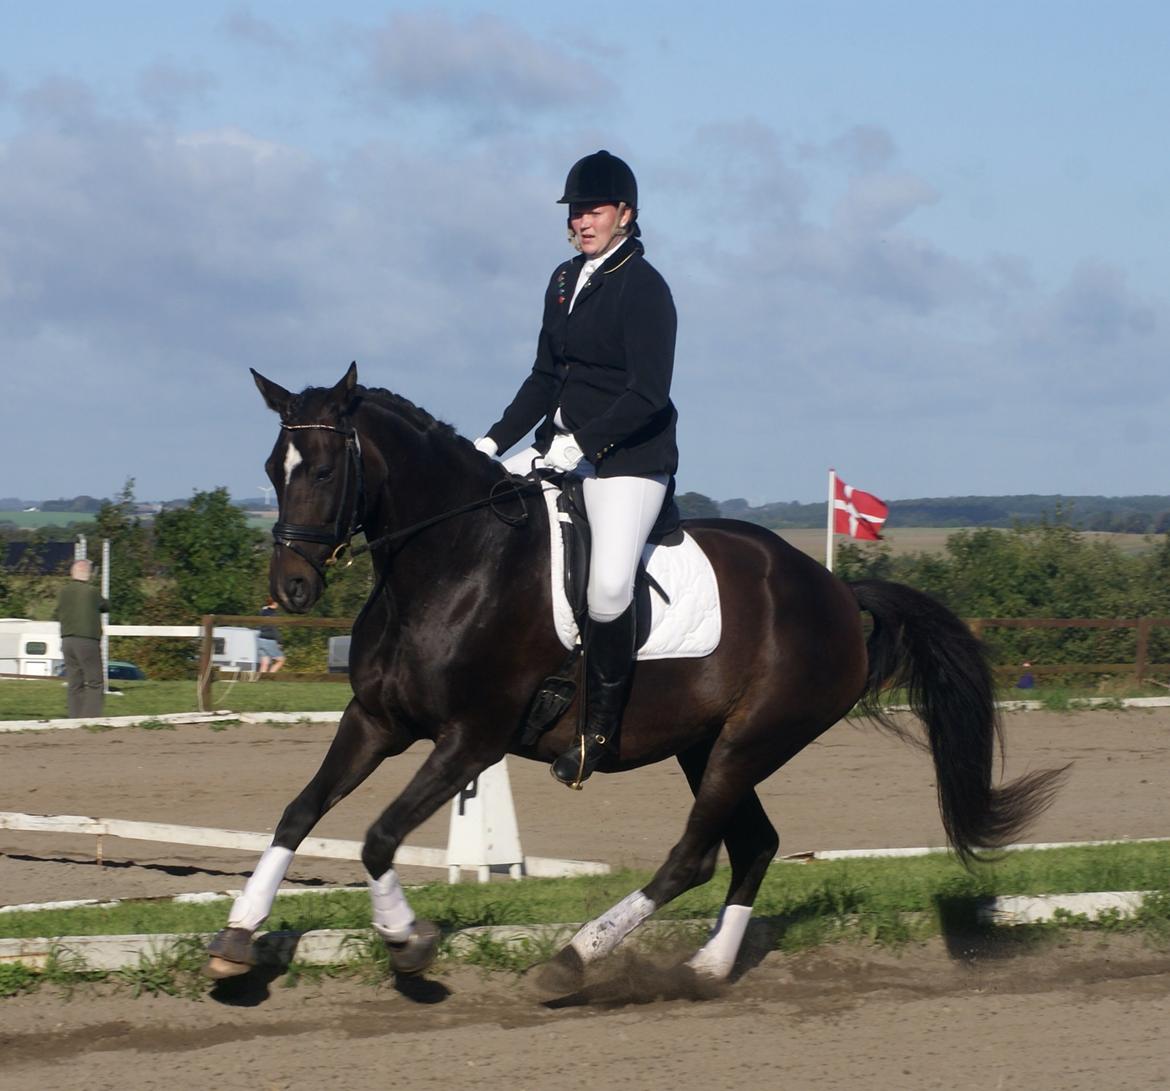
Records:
x=878, y=202
x=243, y=26
x=862, y=148
x=59, y=102
x=479, y=64
x=165, y=89
x=1096, y=305
x=145, y=267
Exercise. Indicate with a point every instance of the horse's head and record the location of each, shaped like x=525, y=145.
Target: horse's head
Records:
x=316, y=469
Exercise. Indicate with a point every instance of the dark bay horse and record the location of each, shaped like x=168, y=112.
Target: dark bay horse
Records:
x=458, y=634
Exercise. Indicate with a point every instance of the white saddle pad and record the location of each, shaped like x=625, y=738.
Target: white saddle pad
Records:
x=688, y=627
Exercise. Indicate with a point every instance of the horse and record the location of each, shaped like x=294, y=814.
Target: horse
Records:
x=457, y=636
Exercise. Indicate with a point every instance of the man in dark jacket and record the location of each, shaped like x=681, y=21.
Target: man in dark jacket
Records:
x=79, y=610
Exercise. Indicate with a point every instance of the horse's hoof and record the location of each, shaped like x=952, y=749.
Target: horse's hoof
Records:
x=229, y=954
x=564, y=973
x=415, y=954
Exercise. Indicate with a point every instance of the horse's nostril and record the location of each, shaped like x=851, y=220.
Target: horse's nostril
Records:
x=297, y=592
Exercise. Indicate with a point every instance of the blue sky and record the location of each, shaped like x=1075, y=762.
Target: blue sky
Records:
x=922, y=242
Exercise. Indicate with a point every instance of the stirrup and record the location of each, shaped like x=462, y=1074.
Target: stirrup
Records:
x=576, y=765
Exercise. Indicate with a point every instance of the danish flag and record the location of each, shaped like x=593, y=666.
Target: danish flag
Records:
x=856, y=513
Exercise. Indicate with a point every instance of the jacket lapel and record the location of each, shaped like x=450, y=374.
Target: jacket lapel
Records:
x=612, y=264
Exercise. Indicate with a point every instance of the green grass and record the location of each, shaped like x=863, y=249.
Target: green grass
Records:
x=37, y=700
x=884, y=902
x=45, y=700
x=876, y=889
x=34, y=520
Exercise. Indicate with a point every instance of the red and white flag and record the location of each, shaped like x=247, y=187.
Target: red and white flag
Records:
x=856, y=513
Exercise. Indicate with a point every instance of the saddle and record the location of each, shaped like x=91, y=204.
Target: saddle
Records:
x=555, y=694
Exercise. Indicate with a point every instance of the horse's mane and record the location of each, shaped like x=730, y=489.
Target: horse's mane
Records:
x=310, y=402
x=413, y=414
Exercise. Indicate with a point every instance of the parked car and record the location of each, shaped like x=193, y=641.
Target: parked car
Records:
x=126, y=672
x=120, y=670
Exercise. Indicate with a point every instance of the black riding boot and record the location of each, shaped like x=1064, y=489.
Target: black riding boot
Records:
x=609, y=662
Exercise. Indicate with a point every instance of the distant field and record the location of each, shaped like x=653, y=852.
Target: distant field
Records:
x=33, y=520
x=902, y=540
x=261, y=520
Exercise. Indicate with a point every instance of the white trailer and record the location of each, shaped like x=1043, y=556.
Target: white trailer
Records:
x=234, y=648
x=30, y=648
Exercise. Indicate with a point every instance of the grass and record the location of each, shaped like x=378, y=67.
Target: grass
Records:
x=45, y=700
x=933, y=540
x=34, y=699
x=34, y=520
x=877, y=888
x=885, y=902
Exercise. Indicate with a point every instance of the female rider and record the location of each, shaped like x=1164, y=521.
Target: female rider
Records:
x=600, y=393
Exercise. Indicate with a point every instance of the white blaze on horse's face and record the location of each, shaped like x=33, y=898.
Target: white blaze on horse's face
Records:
x=292, y=459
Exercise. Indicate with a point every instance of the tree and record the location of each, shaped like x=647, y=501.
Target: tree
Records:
x=12, y=602
x=211, y=553
x=862, y=562
x=694, y=505
x=129, y=549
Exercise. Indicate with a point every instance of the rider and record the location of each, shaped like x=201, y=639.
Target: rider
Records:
x=600, y=392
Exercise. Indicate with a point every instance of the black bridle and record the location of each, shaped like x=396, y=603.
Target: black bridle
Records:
x=341, y=534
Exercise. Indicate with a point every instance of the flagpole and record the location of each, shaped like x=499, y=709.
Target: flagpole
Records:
x=832, y=513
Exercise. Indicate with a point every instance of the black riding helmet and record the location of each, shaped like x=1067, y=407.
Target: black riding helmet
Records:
x=602, y=178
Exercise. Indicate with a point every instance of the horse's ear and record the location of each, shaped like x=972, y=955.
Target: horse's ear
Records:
x=343, y=393
x=275, y=396
x=345, y=388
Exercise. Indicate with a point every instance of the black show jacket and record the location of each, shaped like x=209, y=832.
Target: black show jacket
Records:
x=607, y=365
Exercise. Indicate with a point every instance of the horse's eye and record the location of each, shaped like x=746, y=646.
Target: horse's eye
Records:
x=325, y=473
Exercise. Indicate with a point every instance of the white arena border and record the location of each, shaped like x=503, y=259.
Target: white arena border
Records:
x=327, y=717
x=339, y=946
x=335, y=946
x=322, y=847
x=931, y=850
x=334, y=716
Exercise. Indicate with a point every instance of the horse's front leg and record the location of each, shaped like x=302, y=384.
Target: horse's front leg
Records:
x=358, y=748
x=452, y=765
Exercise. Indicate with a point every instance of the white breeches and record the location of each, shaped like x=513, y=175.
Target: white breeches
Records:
x=622, y=512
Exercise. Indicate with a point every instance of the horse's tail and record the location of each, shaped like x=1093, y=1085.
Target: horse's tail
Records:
x=918, y=646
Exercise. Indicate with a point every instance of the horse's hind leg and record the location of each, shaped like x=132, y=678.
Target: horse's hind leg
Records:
x=751, y=842
x=358, y=748
x=726, y=806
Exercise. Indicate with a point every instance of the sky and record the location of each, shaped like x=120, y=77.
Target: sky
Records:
x=921, y=241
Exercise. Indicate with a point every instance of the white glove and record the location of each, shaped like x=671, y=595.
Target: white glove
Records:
x=486, y=445
x=564, y=454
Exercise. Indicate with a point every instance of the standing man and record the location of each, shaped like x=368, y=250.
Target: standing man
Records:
x=79, y=610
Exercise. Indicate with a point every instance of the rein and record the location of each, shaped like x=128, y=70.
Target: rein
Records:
x=341, y=534
x=516, y=488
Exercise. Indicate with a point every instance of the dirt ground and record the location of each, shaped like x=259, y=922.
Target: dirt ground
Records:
x=1086, y=1013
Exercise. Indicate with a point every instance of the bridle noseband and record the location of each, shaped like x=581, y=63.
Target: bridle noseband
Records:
x=341, y=533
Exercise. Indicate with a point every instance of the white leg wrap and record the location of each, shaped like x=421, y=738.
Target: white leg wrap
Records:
x=393, y=917
x=600, y=936
x=251, y=908
x=717, y=956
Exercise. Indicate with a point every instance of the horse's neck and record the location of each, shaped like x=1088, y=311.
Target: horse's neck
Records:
x=428, y=475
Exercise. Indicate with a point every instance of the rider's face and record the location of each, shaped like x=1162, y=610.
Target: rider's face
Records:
x=594, y=226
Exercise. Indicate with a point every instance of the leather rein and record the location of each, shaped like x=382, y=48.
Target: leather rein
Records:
x=340, y=535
